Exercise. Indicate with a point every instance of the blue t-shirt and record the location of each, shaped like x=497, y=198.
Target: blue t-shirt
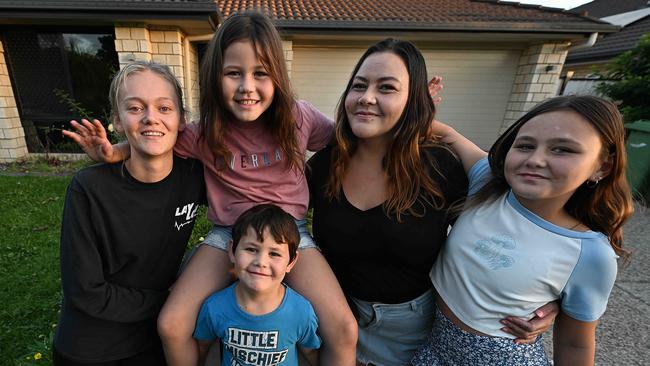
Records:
x=501, y=259
x=247, y=339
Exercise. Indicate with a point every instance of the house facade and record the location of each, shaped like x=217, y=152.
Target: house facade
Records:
x=497, y=59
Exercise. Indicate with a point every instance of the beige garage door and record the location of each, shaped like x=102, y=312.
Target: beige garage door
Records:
x=477, y=84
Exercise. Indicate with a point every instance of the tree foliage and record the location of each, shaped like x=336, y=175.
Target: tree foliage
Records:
x=631, y=70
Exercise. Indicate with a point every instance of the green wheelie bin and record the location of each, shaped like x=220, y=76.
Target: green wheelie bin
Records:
x=638, y=158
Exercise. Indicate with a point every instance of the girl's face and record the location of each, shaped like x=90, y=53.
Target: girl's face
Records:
x=378, y=95
x=553, y=154
x=247, y=87
x=149, y=115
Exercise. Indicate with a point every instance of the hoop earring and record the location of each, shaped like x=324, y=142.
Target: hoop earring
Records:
x=593, y=183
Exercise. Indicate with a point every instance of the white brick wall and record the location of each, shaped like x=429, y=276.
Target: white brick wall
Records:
x=192, y=99
x=12, y=136
x=165, y=46
x=287, y=47
x=537, y=75
x=132, y=43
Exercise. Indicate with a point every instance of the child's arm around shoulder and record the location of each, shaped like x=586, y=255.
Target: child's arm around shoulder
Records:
x=468, y=151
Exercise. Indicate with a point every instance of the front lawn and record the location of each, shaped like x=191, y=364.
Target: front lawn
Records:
x=29, y=266
x=30, y=291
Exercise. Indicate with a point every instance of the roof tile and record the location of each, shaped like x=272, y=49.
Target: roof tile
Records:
x=412, y=11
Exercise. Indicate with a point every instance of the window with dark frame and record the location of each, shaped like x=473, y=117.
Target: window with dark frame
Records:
x=58, y=75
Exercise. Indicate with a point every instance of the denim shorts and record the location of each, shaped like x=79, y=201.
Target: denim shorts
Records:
x=389, y=334
x=220, y=236
x=450, y=345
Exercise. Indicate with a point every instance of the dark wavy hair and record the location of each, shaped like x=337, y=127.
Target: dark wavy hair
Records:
x=604, y=207
x=214, y=116
x=410, y=188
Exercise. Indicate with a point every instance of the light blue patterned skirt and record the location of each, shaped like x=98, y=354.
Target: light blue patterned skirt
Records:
x=448, y=345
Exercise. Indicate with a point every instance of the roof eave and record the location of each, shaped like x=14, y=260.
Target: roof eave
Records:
x=133, y=6
x=90, y=16
x=526, y=27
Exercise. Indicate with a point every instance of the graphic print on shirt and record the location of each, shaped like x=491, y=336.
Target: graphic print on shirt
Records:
x=255, y=160
x=492, y=250
x=249, y=347
x=185, y=215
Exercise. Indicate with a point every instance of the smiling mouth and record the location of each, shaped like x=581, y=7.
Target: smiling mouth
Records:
x=258, y=274
x=153, y=133
x=366, y=114
x=247, y=102
x=534, y=176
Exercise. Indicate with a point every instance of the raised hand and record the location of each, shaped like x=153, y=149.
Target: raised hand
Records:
x=435, y=86
x=92, y=138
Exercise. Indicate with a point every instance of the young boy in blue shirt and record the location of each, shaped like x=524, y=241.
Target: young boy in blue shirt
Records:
x=258, y=319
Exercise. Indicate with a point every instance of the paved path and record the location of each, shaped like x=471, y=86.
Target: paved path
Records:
x=623, y=336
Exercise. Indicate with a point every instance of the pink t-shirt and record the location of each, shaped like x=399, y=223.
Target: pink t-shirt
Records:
x=257, y=172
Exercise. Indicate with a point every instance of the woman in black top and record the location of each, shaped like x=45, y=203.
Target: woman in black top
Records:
x=125, y=228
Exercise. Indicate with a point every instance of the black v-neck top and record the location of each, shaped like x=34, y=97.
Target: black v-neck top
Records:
x=374, y=257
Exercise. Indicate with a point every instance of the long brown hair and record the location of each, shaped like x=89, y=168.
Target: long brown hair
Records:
x=410, y=188
x=259, y=30
x=604, y=207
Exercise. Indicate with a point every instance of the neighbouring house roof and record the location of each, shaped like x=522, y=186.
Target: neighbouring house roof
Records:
x=628, y=18
x=603, y=8
x=430, y=15
x=616, y=43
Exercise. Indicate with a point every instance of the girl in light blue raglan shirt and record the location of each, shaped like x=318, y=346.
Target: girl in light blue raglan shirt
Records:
x=543, y=223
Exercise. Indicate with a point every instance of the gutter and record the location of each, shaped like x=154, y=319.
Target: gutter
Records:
x=593, y=37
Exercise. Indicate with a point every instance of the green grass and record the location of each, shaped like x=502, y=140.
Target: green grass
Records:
x=30, y=291
x=42, y=165
x=29, y=255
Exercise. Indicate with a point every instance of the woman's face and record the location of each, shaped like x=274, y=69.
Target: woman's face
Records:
x=149, y=115
x=377, y=97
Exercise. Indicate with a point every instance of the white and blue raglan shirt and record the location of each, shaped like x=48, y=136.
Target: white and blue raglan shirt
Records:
x=500, y=259
x=261, y=340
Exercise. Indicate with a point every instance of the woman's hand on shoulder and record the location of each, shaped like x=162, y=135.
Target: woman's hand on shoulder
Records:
x=528, y=331
x=92, y=138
